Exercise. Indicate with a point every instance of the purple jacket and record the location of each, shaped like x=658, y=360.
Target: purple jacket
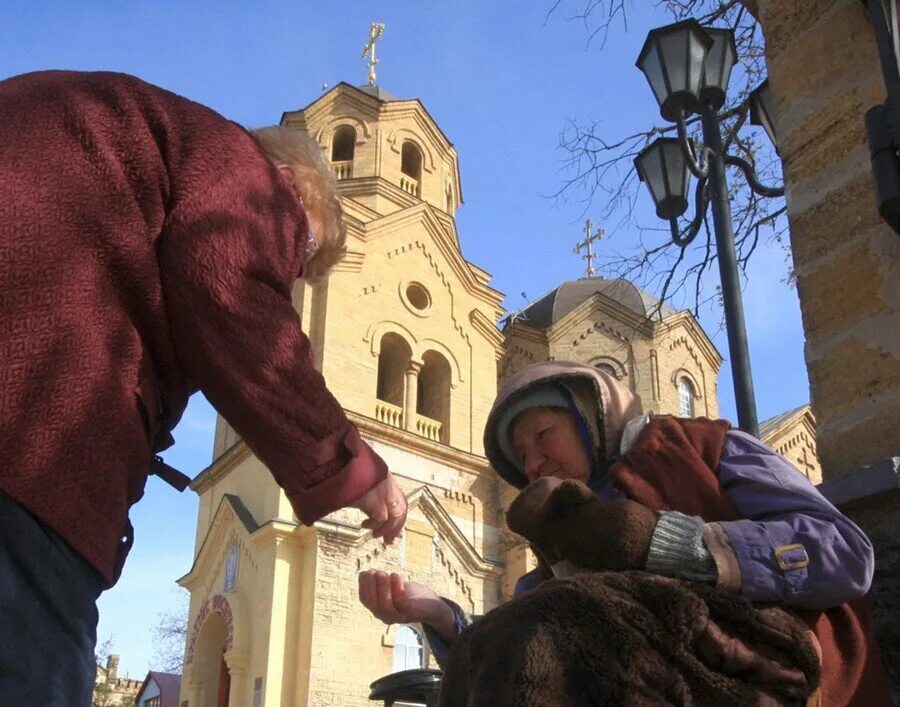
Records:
x=779, y=506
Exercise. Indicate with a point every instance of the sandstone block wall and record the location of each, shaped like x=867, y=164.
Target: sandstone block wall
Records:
x=824, y=73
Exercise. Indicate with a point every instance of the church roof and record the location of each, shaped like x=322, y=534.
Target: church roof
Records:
x=378, y=92
x=557, y=303
x=169, y=685
x=768, y=427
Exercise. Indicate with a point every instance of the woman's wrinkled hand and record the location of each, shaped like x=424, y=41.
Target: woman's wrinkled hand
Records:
x=393, y=600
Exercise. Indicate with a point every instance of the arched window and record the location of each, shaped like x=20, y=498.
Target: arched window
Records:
x=606, y=368
x=433, y=398
x=411, y=167
x=343, y=143
x=393, y=360
x=686, y=397
x=409, y=650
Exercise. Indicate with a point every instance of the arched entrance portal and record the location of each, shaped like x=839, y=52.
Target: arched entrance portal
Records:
x=209, y=669
x=211, y=654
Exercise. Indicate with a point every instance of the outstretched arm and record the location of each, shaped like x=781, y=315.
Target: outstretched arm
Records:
x=229, y=253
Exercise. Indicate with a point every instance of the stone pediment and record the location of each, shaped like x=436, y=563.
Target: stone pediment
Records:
x=455, y=546
x=230, y=519
x=445, y=247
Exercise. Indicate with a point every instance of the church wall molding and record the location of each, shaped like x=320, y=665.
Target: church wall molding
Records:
x=423, y=500
x=682, y=372
x=377, y=186
x=445, y=241
x=457, y=459
x=353, y=262
x=693, y=329
x=488, y=329
x=327, y=129
x=630, y=323
x=397, y=136
x=614, y=363
x=213, y=550
x=519, y=329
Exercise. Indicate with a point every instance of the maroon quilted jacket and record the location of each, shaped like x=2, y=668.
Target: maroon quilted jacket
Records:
x=148, y=249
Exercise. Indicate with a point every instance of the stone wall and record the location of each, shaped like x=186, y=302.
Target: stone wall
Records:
x=824, y=73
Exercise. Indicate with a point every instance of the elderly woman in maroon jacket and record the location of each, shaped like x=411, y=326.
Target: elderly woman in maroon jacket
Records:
x=148, y=248
x=728, y=511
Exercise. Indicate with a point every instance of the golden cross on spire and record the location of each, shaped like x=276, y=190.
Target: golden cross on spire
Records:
x=587, y=244
x=375, y=32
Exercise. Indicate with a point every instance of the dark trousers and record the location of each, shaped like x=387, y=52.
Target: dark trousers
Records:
x=48, y=615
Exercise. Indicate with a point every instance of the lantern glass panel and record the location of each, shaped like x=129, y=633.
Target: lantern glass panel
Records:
x=650, y=168
x=719, y=62
x=672, y=60
x=761, y=110
x=676, y=170
x=661, y=165
x=653, y=70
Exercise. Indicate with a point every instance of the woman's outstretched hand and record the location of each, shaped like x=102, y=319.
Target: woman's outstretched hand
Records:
x=393, y=600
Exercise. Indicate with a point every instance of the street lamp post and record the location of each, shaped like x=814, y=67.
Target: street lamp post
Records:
x=688, y=68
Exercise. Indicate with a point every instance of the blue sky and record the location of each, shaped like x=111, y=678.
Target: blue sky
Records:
x=500, y=82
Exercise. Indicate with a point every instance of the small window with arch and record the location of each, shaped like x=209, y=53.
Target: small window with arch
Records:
x=343, y=144
x=409, y=649
x=606, y=368
x=411, y=168
x=686, y=395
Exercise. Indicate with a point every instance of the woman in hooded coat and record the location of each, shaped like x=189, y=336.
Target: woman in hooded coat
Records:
x=725, y=510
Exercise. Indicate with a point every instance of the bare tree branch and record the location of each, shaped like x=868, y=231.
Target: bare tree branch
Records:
x=598, y=169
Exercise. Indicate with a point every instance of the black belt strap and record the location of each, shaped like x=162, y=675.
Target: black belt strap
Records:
x=169, y=474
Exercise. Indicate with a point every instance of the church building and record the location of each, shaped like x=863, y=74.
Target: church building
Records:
x=405, y=332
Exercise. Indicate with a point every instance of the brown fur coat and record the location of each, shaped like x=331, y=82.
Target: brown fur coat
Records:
x=631, y=638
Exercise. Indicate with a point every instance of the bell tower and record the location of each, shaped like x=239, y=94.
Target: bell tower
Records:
x=404, y=331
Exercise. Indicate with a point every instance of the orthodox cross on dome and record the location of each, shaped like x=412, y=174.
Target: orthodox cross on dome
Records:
x=588, y=245
x=375, y=32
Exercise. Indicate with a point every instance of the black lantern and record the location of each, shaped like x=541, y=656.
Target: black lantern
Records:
x=720, y=60
x=662, y=167
x=761, y=110
x=672, y=60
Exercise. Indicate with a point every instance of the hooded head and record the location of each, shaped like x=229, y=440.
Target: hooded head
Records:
x=599, y=404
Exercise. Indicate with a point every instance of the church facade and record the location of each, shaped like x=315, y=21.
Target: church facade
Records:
x=405, y=333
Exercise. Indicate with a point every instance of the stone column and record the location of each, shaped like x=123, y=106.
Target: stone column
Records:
x=194, y=693
x=237, y=667
x=412, y=390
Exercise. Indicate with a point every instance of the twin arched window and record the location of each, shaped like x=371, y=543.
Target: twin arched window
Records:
x=430, y=416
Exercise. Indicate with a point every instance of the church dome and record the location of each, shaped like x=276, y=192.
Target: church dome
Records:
x=557, y=303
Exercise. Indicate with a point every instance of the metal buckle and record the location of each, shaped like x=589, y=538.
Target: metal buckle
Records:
x=785, y=564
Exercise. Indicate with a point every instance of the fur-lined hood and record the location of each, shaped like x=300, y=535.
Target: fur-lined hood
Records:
x=605, y=405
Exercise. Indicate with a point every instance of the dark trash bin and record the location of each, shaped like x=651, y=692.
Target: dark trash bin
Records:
x=422, y=686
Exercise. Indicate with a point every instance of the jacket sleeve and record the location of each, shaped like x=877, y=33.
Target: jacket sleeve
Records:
x=229, y=254
x=440, y=647
x=792, y=545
